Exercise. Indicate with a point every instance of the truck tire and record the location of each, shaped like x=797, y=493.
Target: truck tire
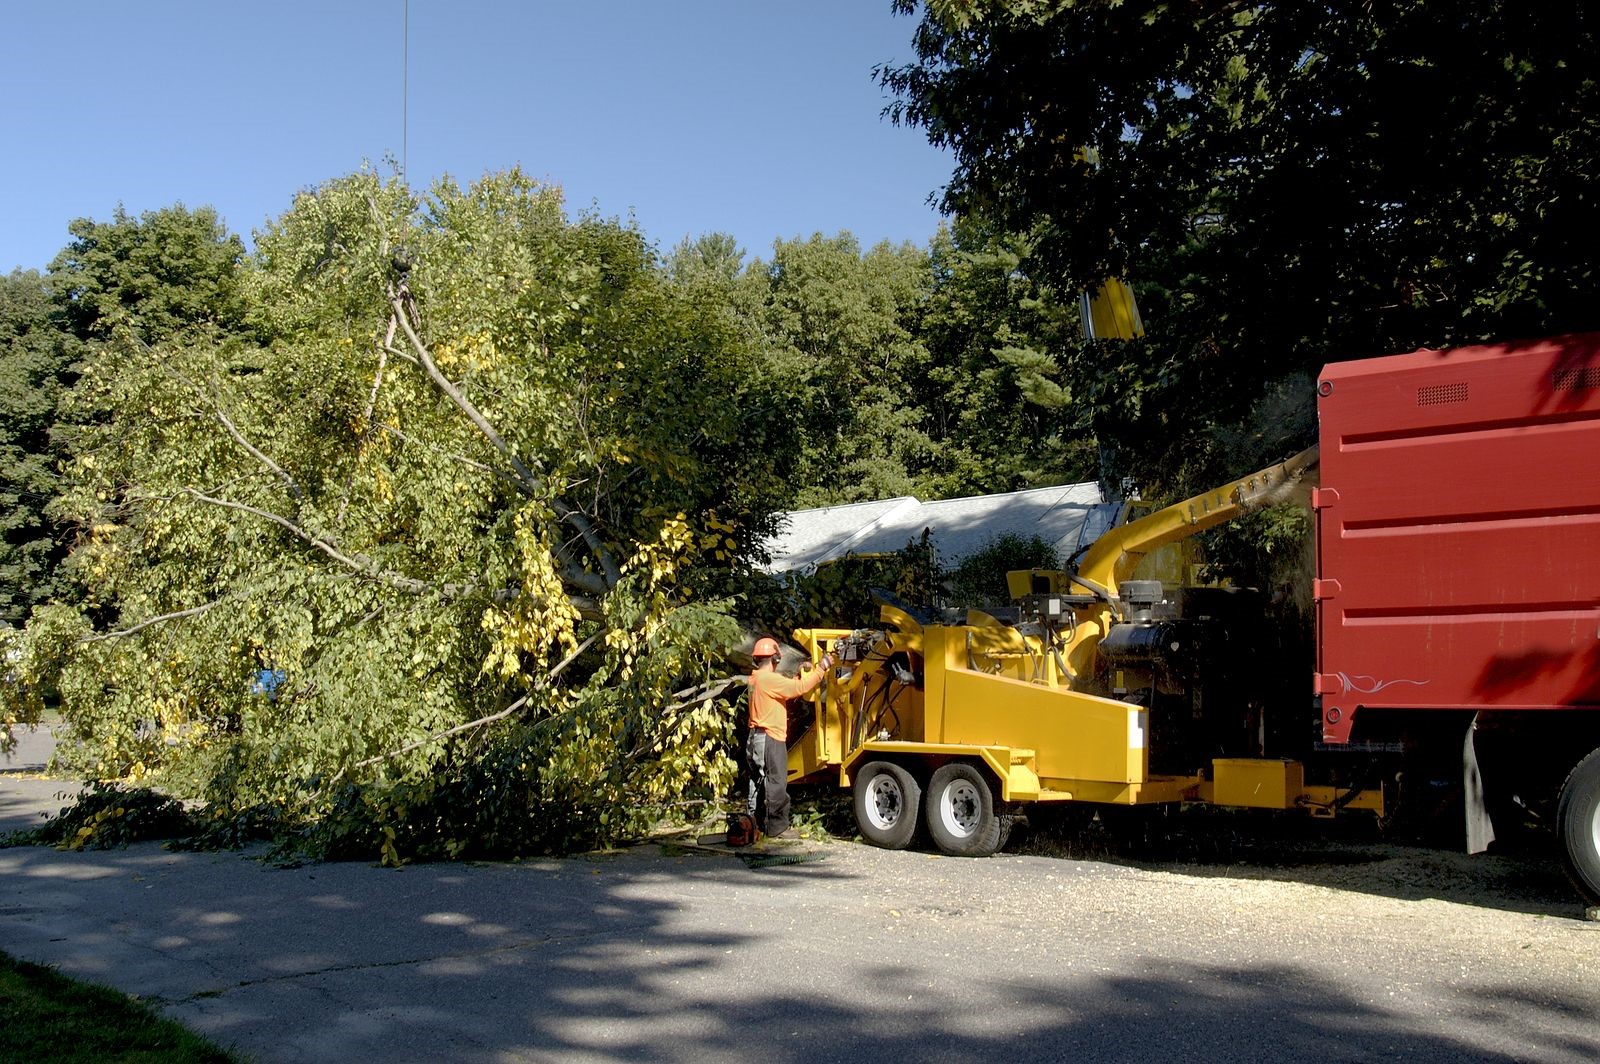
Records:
x=1578, y=822
x=887, y=803
x=960, y=812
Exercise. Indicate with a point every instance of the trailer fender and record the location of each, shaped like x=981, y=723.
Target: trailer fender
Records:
x=1012, y=771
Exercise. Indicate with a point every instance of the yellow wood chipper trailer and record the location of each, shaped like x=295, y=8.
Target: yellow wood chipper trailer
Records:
x=958, y=724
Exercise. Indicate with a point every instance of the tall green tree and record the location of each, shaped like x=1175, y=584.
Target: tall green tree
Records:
x=840, y=328
x=994, y=394
x=153, y=275
x=37, y=358
x=148, y=277
x=908, y=370
x=1285, y=183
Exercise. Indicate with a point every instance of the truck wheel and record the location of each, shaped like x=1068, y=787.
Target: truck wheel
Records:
x=887, y=801
x=960, y=812
x=1578, y=821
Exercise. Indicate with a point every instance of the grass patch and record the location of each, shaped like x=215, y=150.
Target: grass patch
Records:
x=49, y=1017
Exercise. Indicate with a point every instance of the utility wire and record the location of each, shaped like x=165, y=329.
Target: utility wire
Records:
x=405, y=85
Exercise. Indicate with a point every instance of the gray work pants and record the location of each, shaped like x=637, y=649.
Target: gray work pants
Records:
x=767, y=760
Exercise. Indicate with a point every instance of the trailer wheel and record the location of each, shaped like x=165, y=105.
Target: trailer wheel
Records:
x=887, y=803
x=1578, y=821
x=960, y=812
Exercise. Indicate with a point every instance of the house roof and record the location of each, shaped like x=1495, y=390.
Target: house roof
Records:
x=1067, y=517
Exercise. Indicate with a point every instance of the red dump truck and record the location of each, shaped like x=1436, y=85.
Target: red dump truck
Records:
x=1458, y=568
x=1457, y=598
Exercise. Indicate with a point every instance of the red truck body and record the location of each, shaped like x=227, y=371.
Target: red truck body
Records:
x=1458, y=531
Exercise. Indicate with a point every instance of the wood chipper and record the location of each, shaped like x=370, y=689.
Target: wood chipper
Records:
x=1457, y=603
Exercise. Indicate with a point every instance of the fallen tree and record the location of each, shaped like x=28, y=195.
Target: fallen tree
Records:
x=459, y=505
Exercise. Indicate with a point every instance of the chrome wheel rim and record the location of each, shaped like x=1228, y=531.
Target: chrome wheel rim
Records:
x=1594, y=831
x=885, y=803
x=961, y=809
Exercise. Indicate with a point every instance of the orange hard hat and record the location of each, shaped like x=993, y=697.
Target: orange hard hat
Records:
x=766, y=647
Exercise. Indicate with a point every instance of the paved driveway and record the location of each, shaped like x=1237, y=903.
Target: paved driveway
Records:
x=852, y=954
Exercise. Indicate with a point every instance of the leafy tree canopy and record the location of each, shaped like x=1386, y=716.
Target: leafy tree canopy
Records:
x=906, y=370
x=448, y=466
x=152, y=275
x=1286, y=184
x=838, y=326
x=36, y=362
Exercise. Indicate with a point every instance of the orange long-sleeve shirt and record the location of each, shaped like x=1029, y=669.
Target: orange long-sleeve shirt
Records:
x=770, y=691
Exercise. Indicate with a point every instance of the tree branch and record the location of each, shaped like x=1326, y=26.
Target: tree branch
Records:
x=544, y=683
x=363, y=566
x=403, y=354
x=194, y=612
x=404, y=306
x=377, y=377
x=359, y=562
x=372, y=402
x=463, y=459
x=688, y=696
x=706, y=691
x=233, y=430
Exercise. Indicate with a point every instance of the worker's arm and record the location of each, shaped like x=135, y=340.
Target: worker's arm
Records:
x=786, y=687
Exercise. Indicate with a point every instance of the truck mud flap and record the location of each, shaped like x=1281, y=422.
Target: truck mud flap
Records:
x=1480, y=829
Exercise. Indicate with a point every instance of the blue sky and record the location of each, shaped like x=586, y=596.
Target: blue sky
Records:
x=757, y=118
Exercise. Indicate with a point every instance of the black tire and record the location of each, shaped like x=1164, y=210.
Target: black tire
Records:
x=887, y=801
x=960, y=812
x=1578, y=822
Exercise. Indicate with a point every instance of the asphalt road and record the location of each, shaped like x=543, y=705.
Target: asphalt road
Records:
x=26, y=793
x=848, y=953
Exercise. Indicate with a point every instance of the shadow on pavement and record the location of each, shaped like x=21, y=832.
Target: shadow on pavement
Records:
x=677, y=959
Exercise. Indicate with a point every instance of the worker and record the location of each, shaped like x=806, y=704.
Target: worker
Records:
x=766, y=749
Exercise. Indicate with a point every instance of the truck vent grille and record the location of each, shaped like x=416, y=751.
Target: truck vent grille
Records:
x=1576, y=378
x=1436, y=394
